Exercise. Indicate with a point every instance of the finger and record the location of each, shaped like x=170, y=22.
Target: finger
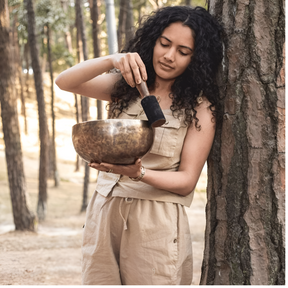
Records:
x=127, y=71
x=135, y=68
x=95, y=166
x=142, y=68
x=109, y=167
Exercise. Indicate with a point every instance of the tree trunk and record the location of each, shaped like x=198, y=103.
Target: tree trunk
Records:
x=129, y=25
x=18, y=70
x=26, y=56
x=139, y=8
x=77, y=168
x=96, y=44
x=94, y=13
x=84, y=100
x=43, y=128
x=23, y=218
x=68, y=40
x=54, y=153
x=111, y=26
x=244, y=238
x=80, y=58
x=121, y=24
x=188, y=2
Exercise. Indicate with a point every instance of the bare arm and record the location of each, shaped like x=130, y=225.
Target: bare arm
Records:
x=86, y=77
x=196, y=148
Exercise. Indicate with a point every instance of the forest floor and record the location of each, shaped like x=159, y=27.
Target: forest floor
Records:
x=52, y=254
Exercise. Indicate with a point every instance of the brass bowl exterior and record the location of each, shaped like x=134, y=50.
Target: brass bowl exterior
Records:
x=115, y=141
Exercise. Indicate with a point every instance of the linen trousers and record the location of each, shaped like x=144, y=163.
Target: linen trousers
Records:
x=135, y=242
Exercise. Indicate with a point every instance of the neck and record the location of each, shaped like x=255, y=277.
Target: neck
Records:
x=161, y=90
x=162, y=87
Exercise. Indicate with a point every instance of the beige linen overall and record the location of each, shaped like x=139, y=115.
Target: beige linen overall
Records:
x=136, y=234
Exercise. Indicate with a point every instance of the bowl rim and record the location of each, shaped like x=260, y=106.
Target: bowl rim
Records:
x=108, y=121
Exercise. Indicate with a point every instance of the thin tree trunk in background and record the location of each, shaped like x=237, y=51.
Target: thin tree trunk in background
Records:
x=79, y=58
x=81, y=26
x=121, y=24
x=77, y=167
x=94, y=13
x=22, y=216
x=139, y=8
x=18, y=70
x=68, y=40
x=84, y=100
x=129, y=25
x=43, y=63
x=96, y=45
x=54, y=152
x=43, y=127
x=111, y=26
x=23, y=106
x=188, y=2
x=26, y=56
x=245, y=229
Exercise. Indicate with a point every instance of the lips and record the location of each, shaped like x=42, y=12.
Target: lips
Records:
x=165, y=66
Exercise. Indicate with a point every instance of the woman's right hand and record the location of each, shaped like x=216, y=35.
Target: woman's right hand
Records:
x=131, y=66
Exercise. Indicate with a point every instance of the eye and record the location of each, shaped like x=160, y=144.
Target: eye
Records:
x=163, y=45
x=182, y=53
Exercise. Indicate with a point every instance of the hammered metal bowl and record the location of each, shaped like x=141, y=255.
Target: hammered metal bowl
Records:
x=114, y=141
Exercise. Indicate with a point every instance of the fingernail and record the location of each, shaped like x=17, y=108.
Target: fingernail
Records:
x=138, y=81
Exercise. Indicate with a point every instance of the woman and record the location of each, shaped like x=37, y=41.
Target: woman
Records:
x=136, y=230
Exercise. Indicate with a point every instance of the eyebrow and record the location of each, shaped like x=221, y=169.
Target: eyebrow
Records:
x=179, y=45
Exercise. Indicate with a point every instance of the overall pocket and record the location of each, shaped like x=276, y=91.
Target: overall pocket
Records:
x=165, y=138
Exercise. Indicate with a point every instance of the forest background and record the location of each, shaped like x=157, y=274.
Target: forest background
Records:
x=41, y=216
x=245, y=191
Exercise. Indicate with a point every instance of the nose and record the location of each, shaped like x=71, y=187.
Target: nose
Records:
x=170, y=55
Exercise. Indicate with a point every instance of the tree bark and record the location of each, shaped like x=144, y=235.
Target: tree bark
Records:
x=96, y=44
x=23, y=218
x=121, y=24
x=43, y=127
x=54, y=153
x=18, y=70
x=26, y=56
x=129, y=25
x=68, y=40
x=244, y=238
x=188, y=2
x=77, y=166
x=84, y=100
x=79, y=58
x=94, y=13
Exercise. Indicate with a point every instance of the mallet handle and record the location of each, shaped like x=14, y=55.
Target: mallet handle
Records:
x=143, y=89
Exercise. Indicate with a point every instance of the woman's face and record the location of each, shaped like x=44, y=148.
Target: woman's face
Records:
x=173, y=51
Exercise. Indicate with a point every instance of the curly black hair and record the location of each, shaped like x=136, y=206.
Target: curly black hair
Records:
x=199, y=76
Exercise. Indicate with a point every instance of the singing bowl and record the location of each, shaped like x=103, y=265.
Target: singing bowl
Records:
x=114, y=141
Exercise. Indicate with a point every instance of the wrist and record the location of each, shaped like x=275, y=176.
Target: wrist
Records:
x=140, y=177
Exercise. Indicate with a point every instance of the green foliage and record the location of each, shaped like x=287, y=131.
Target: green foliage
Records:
x=62, y=59
x=50, y=13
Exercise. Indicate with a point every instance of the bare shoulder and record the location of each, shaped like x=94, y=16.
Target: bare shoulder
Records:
x=203, y=103
x=204, y=113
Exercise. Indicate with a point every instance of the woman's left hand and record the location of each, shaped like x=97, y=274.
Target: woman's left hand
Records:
x=133, y=170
